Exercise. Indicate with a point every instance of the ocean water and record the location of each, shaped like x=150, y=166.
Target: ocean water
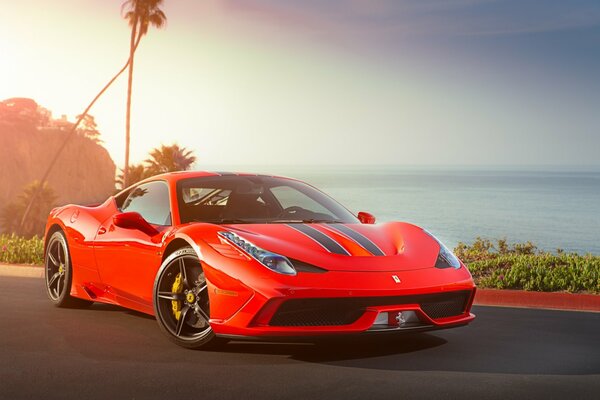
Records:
x=552, y=208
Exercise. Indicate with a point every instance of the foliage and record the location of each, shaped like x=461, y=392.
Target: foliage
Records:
x=88, y=128
x=142, y=14
x=12, y=213
x=24, y=112
x=522, y=266
x=19, y=250
x=9, y=218
x=162, y=159
x=170, y=159
x=135, y=173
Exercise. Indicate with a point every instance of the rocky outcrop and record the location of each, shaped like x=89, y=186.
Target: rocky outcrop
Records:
x=83, y=174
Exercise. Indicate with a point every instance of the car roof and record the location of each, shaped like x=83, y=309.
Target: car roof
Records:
x=174, y=177
x=179, y=175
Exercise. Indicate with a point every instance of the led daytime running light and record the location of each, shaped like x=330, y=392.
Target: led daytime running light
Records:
x=274, y=262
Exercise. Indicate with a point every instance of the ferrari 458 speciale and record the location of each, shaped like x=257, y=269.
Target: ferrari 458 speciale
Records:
x=215, y=256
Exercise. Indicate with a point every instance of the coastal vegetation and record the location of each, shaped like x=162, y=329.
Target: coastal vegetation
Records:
x=160, y=160
x=16, y=249
x=12, y=214
x=521, y=266
x=499, y=265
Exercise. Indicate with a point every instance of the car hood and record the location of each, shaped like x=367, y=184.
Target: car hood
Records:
x=391, y=246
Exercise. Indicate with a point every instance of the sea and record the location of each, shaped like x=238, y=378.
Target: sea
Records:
x=553, y=207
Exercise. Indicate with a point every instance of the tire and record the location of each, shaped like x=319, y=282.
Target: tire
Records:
x=181, y=302
x=59, y=273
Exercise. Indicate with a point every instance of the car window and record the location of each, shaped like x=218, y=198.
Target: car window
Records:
x=206, y=196
x=255, y=199
x=151, y=200
x=289, y=197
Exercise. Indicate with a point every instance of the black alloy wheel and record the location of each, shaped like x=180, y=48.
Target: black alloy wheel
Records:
x=59, y=273
x=181, y=301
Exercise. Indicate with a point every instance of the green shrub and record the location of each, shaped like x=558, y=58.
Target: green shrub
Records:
x=18, y=250
x=522, y=266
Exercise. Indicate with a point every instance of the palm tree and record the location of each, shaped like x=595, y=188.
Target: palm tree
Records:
x=45, y=199
x=10, y=218
x=141, y=14
x=135, y=173
x=169, y=159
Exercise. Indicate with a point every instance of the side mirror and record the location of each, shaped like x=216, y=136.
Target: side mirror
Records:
x=134, y=220
x=366, y=218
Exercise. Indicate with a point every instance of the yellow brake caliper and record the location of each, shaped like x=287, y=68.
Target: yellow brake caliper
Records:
x=177, y=288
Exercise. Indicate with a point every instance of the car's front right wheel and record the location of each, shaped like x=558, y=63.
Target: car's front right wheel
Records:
x=181, y=302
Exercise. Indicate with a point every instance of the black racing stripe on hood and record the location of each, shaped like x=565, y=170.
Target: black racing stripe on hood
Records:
x=359, y=238
x=325, y=241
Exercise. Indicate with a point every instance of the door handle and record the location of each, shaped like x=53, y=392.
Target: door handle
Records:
x=102, y=230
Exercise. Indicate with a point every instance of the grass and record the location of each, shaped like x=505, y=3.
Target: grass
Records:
x=521, y=266
x=494, y=265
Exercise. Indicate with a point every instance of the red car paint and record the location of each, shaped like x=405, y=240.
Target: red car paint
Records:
x=117, y=265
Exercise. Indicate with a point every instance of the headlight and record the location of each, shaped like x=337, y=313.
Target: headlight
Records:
x=274, y=262
x=446, y=258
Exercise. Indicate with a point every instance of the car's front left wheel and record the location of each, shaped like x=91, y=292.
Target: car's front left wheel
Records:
x=181, y=302
x=59, y=273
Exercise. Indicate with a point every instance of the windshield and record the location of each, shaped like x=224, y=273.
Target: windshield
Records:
x=256, y=199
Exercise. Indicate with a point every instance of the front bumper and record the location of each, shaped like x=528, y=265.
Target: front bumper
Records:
x=331, y=303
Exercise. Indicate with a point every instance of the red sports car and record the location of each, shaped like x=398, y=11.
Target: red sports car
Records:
x=219, y=256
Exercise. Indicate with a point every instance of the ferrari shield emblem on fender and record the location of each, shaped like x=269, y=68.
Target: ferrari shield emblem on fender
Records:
x=396, y=279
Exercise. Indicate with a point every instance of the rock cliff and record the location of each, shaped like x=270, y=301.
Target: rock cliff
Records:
x=84, y=173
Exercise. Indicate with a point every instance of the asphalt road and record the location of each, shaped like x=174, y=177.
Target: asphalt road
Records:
x=107, y=352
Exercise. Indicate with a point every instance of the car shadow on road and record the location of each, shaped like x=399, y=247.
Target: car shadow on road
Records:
x=340, y=348
x=114, y=308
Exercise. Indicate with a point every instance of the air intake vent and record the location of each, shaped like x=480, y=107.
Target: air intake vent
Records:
x=345, y=311
x=445, y=309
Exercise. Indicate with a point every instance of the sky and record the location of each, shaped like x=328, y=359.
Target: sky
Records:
x=261, y=82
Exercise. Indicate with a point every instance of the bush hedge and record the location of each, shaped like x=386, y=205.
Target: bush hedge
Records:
x=18, y=250
x=522, y=266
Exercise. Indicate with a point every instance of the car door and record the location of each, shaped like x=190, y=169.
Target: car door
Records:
x=128, y=259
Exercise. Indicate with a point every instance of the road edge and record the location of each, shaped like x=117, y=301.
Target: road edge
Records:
x=544, y=300
x=21, y=270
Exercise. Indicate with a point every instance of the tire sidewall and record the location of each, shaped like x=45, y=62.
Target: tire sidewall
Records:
x=197, y=343
x=59, y=236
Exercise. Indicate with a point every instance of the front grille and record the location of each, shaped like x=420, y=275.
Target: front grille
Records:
x=444, y=309
x=317, y=312
x=345, y=311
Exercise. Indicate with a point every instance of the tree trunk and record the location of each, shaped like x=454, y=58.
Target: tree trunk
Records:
x=132, y=48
